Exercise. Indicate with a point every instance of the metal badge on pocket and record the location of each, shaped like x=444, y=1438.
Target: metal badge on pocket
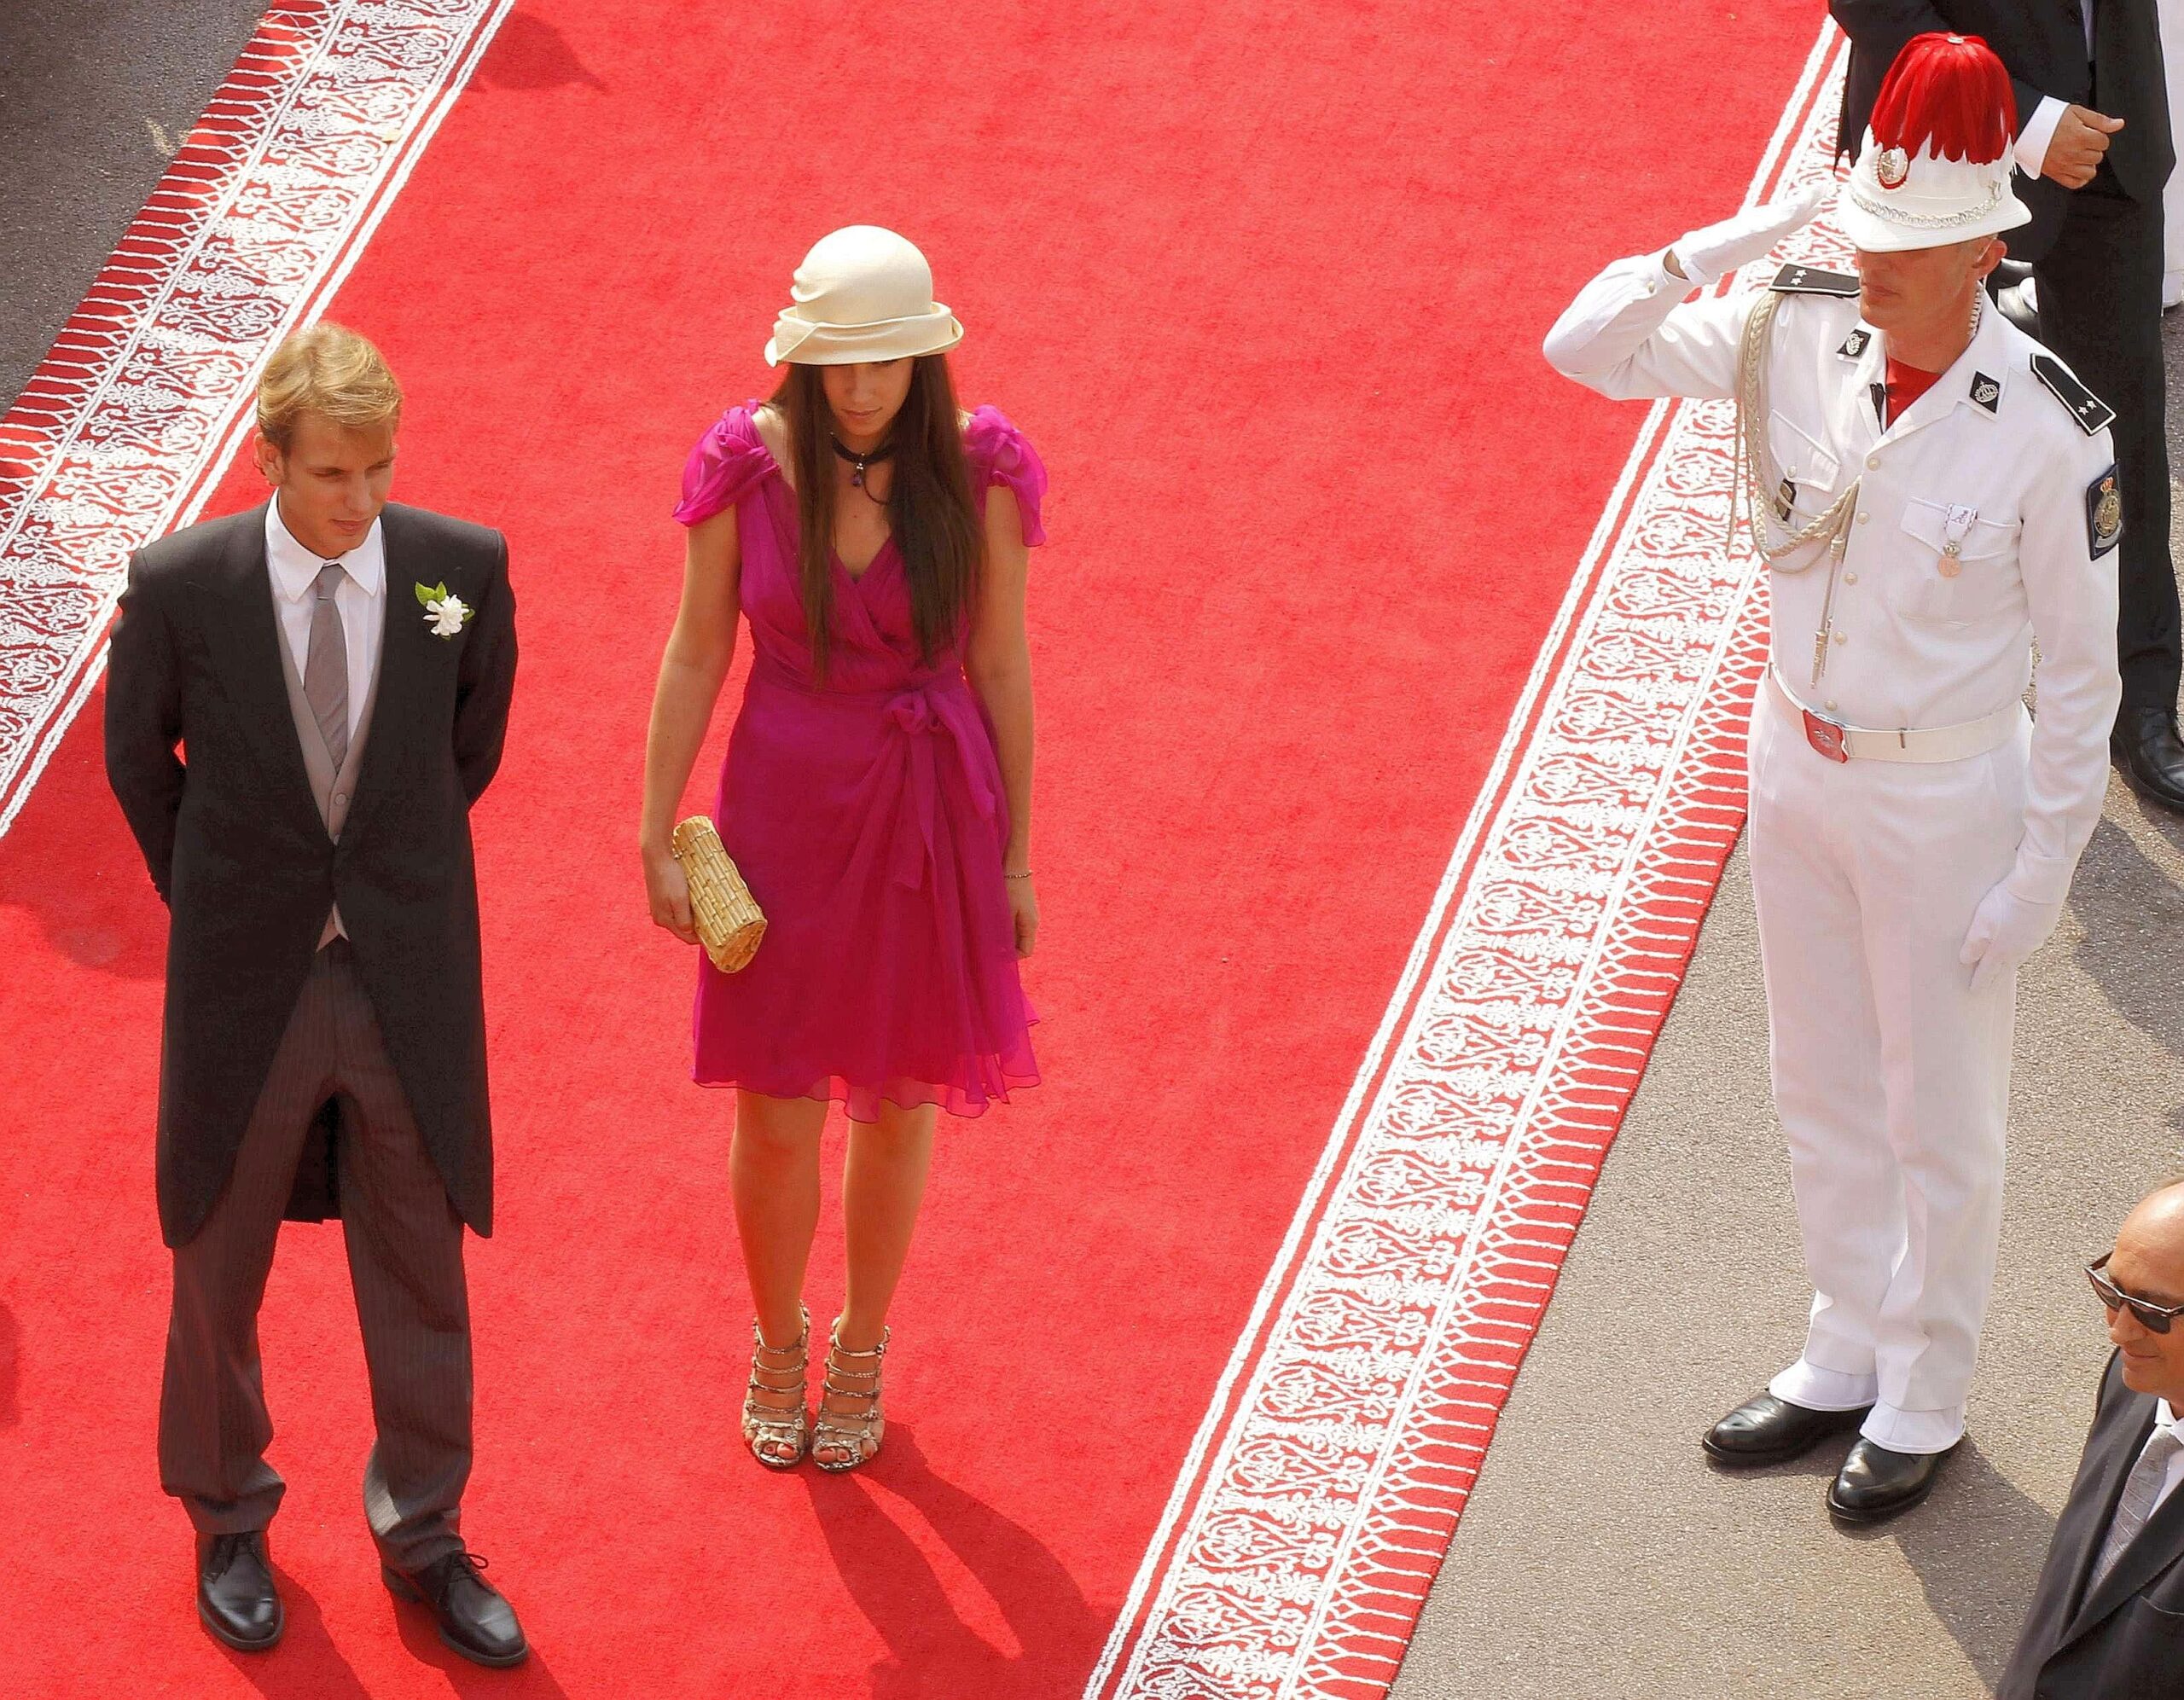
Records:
x=1955, y=530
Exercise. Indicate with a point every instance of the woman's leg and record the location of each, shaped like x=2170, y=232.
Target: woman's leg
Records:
x=774, y=1175
x=883, y=1183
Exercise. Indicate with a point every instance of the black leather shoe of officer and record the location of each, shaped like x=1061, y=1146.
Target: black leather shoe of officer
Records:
x=2145, y=747
x=1765, y=1429
x=235, y=1591
x=1875, y=1483
x=472, y=1616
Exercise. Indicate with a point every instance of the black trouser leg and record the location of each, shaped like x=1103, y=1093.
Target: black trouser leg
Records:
x=213, y=1423
x=2099, y=292
x=405, y=1265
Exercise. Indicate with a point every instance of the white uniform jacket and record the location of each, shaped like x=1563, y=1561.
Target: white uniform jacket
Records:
x=1990, y=457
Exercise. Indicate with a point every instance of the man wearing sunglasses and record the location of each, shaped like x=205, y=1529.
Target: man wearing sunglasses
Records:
x=2107, y=1618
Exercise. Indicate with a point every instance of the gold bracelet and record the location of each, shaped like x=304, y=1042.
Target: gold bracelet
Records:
x=1025, y=874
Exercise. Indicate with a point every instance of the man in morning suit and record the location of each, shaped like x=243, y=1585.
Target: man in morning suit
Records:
x=2093, y=146
x=303, y=701
x=2106, y=1621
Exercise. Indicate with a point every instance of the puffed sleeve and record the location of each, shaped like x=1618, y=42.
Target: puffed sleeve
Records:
x=1001, y=453
x=728, y=461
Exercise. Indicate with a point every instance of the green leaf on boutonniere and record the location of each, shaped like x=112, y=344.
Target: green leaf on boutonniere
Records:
x=428, y=594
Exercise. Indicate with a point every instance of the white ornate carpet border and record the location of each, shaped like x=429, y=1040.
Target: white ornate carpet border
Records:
x=120, y=432
x=1326, y=1482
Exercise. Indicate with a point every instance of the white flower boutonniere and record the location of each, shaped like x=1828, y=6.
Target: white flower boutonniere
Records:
x=444, y=612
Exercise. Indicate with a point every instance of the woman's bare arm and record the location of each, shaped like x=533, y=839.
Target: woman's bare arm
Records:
x=699, y=652
x=999, y=663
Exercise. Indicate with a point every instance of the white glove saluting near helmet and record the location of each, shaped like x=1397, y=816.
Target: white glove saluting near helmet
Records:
x=1705, y=255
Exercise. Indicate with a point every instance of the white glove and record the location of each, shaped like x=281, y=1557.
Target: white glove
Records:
x=2004, y=930
x=1720, y=249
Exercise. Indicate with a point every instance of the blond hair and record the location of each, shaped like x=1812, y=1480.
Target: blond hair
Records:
x=329, y=370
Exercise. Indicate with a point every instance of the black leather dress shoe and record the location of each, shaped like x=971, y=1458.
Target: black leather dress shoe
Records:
x=1765, y=1429
x=1875, y=1483
x=235, y=1591
x=2145, y=747
x=474, y=1618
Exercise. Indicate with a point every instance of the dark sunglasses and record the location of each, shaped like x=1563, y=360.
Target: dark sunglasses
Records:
x=2154, y=1317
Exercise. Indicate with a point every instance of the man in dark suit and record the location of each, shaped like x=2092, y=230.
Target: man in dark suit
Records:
x=2094, y=142
x=2107, y=1619
x=303, y=701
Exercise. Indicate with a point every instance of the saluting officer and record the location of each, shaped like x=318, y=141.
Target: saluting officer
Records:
x=1933, y=492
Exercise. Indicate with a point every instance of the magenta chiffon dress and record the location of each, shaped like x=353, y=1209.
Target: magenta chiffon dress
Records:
x=866, y=813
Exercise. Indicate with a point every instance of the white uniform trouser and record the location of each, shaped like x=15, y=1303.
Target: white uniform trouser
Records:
x=1891, y=1078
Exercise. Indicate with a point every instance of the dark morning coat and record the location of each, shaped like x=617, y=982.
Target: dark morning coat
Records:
x=2126, y=1640
x=201, y=750
x=2041, y=45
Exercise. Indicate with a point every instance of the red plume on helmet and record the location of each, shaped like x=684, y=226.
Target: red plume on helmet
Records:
x=1950, y=90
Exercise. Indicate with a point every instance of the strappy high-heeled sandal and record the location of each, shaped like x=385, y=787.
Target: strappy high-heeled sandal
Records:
x=842, y=1440
x=778, y=1435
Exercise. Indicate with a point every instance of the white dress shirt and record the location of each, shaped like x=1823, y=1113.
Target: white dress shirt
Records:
x=359, y=600
x=1923, y=634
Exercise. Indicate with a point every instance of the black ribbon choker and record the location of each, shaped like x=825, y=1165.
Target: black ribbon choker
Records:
x=886, y=451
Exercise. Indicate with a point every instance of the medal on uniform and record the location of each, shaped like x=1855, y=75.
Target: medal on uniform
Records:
x=1785, y=499
x=1955, y=530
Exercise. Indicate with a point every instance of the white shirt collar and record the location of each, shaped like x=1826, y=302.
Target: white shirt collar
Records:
x=295, y=567
x=2165, y=1417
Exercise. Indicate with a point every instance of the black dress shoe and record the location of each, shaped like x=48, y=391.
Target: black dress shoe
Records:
x=1875, y=1483
x=2145, y=747
x=235, y=1591
x=1765, y=1429
x=474, y=1618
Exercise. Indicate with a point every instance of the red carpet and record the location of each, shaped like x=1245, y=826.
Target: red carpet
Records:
x=1266, y=289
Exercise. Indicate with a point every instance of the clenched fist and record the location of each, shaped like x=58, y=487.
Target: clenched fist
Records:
x=2075, y=150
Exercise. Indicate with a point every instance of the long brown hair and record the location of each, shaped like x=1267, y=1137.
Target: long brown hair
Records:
x=930, y=508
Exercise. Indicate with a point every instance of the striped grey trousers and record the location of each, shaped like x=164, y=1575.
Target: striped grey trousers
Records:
x=405, y=1263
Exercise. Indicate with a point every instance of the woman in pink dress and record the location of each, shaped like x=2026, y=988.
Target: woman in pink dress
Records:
x=876, y=795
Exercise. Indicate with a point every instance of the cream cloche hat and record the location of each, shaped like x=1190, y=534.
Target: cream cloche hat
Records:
x=1935, y=165
x=861, y=293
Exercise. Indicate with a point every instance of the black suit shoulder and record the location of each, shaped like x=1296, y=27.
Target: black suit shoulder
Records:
x=443, y=531
x=166, y=559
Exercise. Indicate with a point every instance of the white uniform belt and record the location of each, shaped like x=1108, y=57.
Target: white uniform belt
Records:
x=1841, y=743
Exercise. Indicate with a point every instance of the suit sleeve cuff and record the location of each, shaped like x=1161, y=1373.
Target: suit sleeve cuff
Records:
x=2031, y=149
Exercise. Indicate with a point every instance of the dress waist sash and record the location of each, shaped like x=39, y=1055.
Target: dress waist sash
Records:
x=902, y=793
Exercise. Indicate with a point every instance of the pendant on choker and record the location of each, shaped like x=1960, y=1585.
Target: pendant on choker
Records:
x=859, y=462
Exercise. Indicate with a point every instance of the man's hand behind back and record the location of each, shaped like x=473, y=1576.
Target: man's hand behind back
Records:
x=2075, y=151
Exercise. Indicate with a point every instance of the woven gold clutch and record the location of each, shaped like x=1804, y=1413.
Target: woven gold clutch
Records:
x=729, y=921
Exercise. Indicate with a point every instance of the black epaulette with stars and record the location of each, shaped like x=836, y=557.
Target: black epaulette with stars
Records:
x=1805, y=280
x=2092, y=415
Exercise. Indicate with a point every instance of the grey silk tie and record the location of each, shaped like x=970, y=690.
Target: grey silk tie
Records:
x=325, y=666
x=2137, y=1504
